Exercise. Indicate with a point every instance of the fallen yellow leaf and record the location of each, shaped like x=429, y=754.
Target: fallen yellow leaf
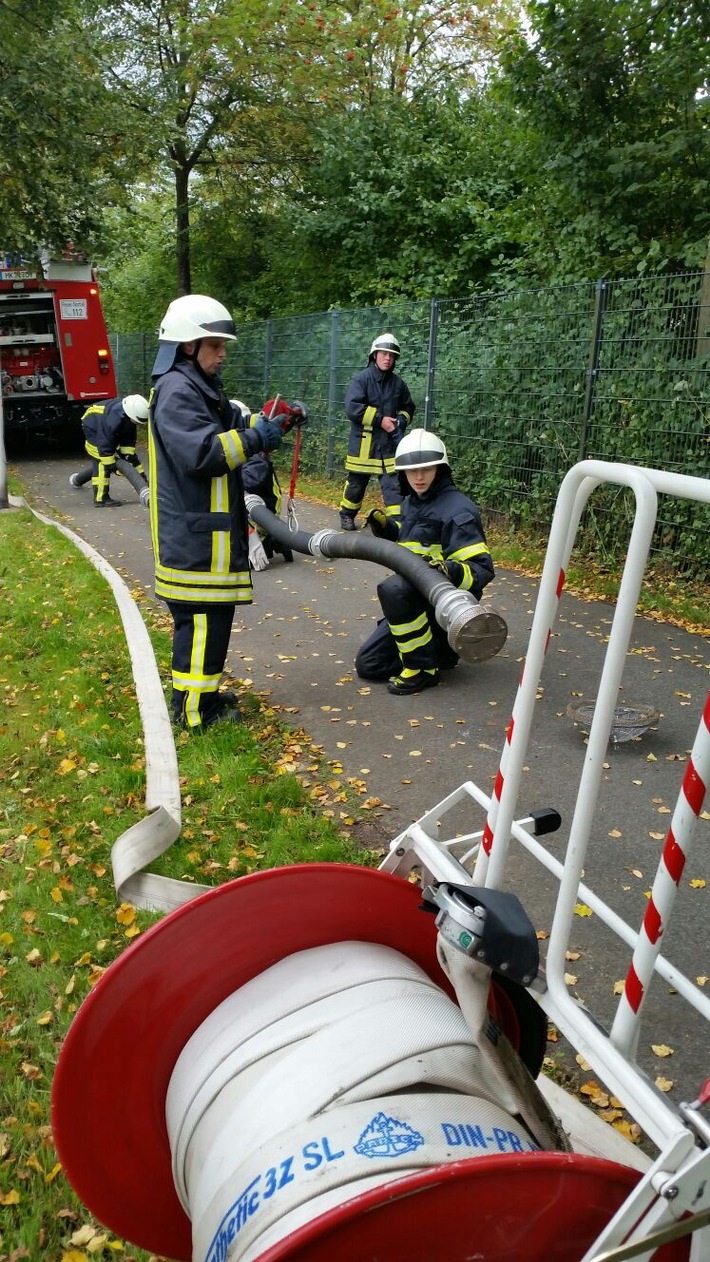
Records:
x=631, y=1130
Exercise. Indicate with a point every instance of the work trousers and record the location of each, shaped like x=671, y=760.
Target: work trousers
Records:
x=356, y=486
x=200, y=643
x=407, y=636
x=101, y=468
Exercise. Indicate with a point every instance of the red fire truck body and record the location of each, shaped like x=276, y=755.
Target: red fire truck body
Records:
x=54, y=351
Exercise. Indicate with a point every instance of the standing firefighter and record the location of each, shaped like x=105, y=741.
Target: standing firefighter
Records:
x=110, y=434
x=442, y=525
x=197, y=444
x=379, y=407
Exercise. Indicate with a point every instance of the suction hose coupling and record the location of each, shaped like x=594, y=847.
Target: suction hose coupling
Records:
x=475, y=631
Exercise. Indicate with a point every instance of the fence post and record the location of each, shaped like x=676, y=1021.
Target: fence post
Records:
x=431, y=364
x=267, y=360
x=593, y=365
x=332, y=389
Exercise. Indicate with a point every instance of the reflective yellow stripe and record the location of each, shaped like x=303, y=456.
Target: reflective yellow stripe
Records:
x=419, y=549
x=221, y=547
x=408, y=646
x=401, y=629
x=95, y=454
x=464, y=554
x=202, y=683
x=233, y=448
x=372, y=465
x=200, y=577
x=200, y=595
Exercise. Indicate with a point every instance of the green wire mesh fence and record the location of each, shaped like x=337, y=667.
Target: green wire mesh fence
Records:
x=520, y=385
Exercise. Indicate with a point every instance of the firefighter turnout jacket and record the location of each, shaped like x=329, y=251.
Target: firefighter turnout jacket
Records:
x=197, y=444
x=108, y=431
x=445, y=525
x=371, y=395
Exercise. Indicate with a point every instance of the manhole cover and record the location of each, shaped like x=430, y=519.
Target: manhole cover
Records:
x=627, y=721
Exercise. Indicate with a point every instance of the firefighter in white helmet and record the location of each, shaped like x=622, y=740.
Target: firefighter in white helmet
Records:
x=198, y=442
x=379, y=406
x=110, y=434
x=408, y=648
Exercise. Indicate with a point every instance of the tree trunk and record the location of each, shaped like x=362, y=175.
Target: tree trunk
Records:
x=182, y=226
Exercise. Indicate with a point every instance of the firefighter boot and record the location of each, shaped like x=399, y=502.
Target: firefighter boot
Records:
x=410, y=681
x=347, y=521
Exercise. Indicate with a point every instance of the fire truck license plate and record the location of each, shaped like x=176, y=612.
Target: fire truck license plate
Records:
x=73, y=308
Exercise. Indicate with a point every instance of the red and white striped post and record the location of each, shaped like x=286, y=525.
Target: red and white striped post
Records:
x=676, y=850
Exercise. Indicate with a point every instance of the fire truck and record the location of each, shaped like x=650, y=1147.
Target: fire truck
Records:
x=54, y=352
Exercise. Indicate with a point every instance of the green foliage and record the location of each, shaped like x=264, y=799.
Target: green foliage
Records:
x=57, y=122
x=617, y=93
x=290, y=158
x=407, y=198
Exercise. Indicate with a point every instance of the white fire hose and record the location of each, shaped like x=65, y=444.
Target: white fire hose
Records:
x=339, y=1069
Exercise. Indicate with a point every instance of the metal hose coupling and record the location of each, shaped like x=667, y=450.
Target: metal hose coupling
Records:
x=475, y=631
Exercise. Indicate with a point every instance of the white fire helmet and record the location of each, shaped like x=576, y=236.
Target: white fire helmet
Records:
x=136, y=407
x=419, y=449
x=385, y=342
x=189, y=319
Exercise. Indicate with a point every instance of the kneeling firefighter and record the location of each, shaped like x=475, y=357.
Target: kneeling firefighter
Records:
x=441, y=524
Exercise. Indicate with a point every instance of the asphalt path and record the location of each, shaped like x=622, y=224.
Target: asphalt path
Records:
x=402, y=755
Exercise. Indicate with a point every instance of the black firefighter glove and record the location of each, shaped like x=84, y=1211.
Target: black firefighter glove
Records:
x=381, y=525
x=299, y=411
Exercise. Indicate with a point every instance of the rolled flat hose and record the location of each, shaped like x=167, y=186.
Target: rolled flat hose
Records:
x=475, y=631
